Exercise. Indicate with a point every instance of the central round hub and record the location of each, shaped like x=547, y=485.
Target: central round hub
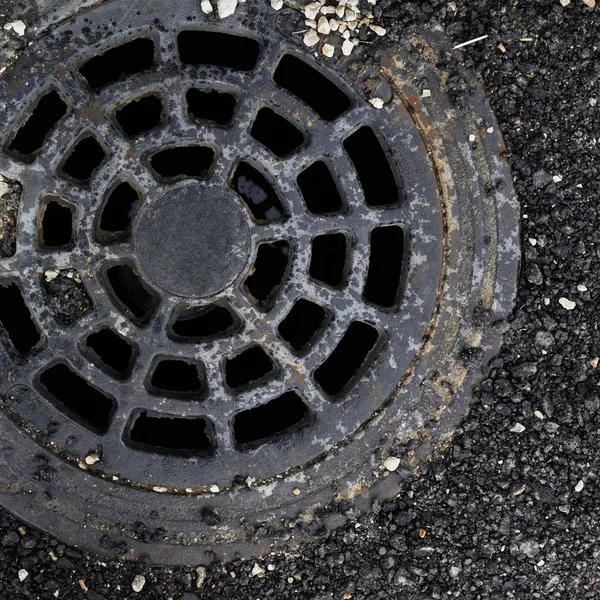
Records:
x=192, y=241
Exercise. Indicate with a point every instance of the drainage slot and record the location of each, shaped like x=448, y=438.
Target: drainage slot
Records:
x=248, y=368
x=117, y=213
x=182, y=162
x=110, y=351
x=138, y=116
x=385, y=266
x=300, y=327
x=312, y=87
x=348, y=359
x=271, y=421
x=216, y=107
x=373, y=168
x=276, y=133
x=45, y=115
x=258, y=194
x=319, y=190
x=176, y=378
x=167, y=434
x=16, y=320
x=73, y=395
x=269, y=270
x=130, y=293
x=328, y=259
x=219, y=49
x=57, y=224
x=83, y=159
x=122, y=61
x=200, y=323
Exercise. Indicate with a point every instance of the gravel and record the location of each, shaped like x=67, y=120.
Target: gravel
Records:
x=500, y=514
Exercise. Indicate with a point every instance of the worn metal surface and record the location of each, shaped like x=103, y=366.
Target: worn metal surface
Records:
x=461, y=216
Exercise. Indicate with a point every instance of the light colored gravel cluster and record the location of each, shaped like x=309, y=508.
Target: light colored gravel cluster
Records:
x=590, y=3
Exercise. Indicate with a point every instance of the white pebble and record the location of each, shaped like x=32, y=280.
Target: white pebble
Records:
x=533, y=241
x=518, y=428
x=347, y=48
x=312, y=10
x=160, y=490
x=139, y=581
x=378, y=30
x=214, y=489
x=579, y=486
x=91, y=459
x=377, y=103
x=593, y=101
x=258, y=571
x=51, y=275
x=539, y=415
x=23, y=574
x=323, y=26
x=277, y=4
x=206, y=7
x=391, y=463
x=556, y=178
x=334, y=25
x=566, y=303
x=565, y=2
x=328, y=50
x=427, y=94
x=581, y=288
x=311, y=38
x=17, y=26
x=226, y=8
x=328, y=10
x=472, y=137
x=311, y=24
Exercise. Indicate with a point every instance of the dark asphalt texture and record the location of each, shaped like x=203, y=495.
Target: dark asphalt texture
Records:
x=502, y=514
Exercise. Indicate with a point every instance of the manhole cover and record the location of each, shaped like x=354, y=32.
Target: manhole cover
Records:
x=238, y=288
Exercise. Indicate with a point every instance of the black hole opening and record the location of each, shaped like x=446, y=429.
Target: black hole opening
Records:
x=139, y=116
x=385, y=266
x=127, y=59
x=328, y=259
x=319, y=190
x=251, y=366
x=164, y=434
x=258, y=194
x=312, y=87
x=219, y=49
x=84, y=159
x=176, y=377
x=183, y=161
x=111, y=352
x=117, y=212
x=269, y=270
x=57, y=225
x=372, y=167
x=73, y=395
x=282, y=416
x=131, y=295
x=276, y=133
x=199, y=323
x=17, y=321
x=216, y=107
x=302, y=324
x=31, y=135
x=348, y=358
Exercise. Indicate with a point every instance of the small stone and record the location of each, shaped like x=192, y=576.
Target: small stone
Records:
x=226, y=8
x=427, y=94
x=258, y=571
x=582, y=288
x=490, y=130
x=17, y=26
x=534, y=274
x=328, y=10
x=380, y=31
x=160, y=490
x=533, y=241
x=377, y=103
x=91, y=459
x=391, y=463
x=517, y=428
x=557, y=178
x=277, y=4
x=323, y=26
x=347, y=48
x=594, y=362
x=565, y=2
x=339, y=11
x=311, y=38
x=296, y=492
x=200, y=576
x=328, y=50
x=544, y=339
x=567, y=304
x=579, y=486
x=51, y=275
x=270, y=567
x=214, y=488
x=590, y=3
x=311, y=24
x=312, y=10
x=333, y=25
x=139, y=581
x=206, y=7
x=593, y=101
x=23, y=574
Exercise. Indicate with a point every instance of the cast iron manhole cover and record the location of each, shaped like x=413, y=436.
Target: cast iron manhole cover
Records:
x=238, y=288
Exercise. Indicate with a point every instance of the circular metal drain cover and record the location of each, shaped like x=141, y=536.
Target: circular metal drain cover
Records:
x=237, y=287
